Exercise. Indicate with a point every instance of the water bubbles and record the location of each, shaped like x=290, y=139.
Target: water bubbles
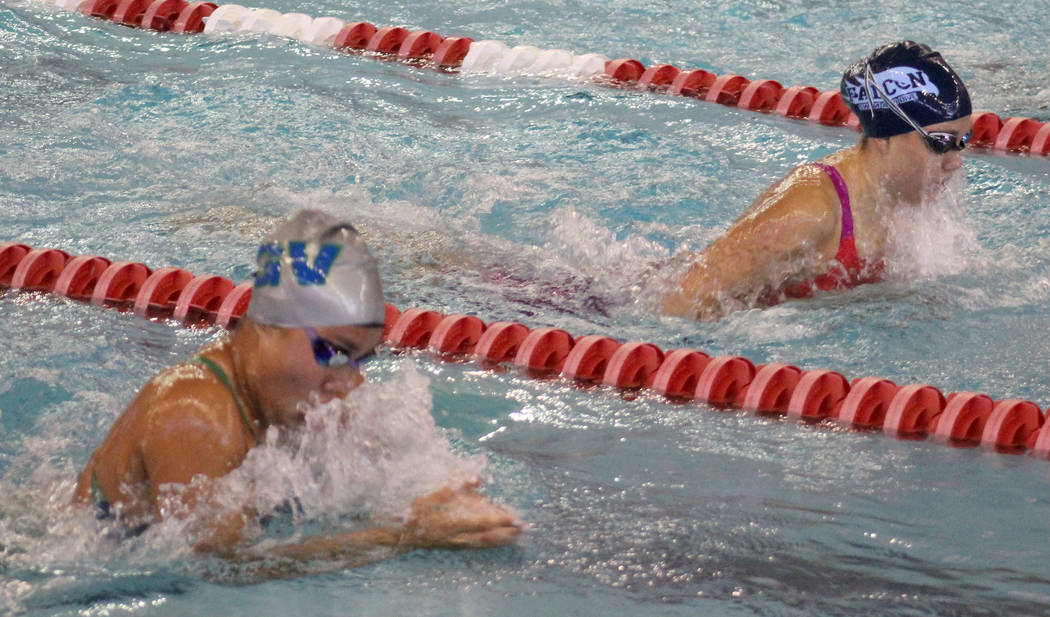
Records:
x=932, y=239
x=363, y=458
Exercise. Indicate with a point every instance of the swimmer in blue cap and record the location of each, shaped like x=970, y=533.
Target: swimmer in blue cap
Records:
x=827, y=225
x=315, y=316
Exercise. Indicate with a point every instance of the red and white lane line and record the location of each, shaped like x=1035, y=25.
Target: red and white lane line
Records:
x=915, y=411
x=1015, y=134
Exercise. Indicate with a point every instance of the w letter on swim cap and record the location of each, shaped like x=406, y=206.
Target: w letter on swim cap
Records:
x=269, y=259
x=269, y=272
x=317, y=274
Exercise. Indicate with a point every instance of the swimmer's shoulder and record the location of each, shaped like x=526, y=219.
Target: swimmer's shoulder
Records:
x=191, y=397
x=805, y=195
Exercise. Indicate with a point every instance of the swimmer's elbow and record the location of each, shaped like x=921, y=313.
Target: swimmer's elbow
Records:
x=675, y=305
x=698, y=306
x=82, y=493
x=226, y=544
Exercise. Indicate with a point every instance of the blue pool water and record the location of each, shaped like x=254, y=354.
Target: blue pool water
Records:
x=545, y=202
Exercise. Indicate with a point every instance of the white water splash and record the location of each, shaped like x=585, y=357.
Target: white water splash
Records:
x=934, y=238
x=367, y=456
x=371, y=453
x=586, y=245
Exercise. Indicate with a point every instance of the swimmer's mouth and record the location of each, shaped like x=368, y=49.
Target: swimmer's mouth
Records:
x=944, y=179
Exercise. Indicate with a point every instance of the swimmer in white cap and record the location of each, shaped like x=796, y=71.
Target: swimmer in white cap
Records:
x=827, y=225
x=316, y=313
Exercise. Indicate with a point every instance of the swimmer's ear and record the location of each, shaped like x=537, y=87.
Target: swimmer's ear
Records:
x=881, y=144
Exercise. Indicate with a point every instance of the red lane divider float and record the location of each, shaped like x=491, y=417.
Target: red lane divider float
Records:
x=963, y=419
x=202, y=296
x=802, y=102
x=11, y=254
x=724, y=380
x=39, y=269
x=234, y=305
x=544, y=351
x=500, y=342
x=161, y=15
x=633, y=365
x=80, y=275
x=159, y=294
x=771, y=389
x=414, y=327
x=693, y=83
x=120, y=283
x=679, y=374
x=1011, y=424
x=457, y=335
x=818, y=395
x=191, y=18
x=986, y=127
x=914, y=411
x=659, y=76
x=589, y=357
x=867, y=402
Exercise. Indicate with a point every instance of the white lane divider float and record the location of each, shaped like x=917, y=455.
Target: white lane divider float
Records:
x=491, y=57
x=1016, y=134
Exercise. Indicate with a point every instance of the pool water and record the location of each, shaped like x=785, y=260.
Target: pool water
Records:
x=546, y=202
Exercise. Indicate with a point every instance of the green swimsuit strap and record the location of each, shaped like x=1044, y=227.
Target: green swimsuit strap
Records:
x=221, y=374
x=97, y=497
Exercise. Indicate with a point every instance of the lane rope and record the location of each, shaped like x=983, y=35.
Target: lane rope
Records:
x=915, y=411
x=425, y=48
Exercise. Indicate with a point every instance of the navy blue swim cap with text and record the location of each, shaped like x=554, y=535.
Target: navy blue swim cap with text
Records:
x=914, y=77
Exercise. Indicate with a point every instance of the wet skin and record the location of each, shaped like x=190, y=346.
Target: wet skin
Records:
x=185, y=424
x=792, y=231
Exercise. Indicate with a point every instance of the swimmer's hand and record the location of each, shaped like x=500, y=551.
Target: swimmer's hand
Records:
x=459, y=518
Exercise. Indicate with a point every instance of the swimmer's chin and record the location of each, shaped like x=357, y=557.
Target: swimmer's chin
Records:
x=944, y=185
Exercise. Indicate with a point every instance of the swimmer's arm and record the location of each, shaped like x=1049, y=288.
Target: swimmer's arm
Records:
x=445, y=519
x=186, y=449
x=448, y=518
x=782, y=227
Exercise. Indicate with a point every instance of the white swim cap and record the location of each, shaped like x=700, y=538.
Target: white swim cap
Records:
x=316, y=271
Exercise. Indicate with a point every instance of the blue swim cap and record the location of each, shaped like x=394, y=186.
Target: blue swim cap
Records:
x=914, y=77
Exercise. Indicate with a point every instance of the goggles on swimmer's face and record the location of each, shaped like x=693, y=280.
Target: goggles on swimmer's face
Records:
x=939, y=142
x=333, y=355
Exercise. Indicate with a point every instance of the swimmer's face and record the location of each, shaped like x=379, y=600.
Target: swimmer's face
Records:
x=917, y=172
x=289, y=372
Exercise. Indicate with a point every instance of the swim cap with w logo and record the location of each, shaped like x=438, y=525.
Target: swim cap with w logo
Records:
x=316, y=271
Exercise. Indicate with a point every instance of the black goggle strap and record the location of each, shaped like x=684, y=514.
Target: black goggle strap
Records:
x=869, y=82
x=940, y=145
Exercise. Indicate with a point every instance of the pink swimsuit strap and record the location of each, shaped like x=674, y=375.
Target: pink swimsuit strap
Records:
x=843, y=193
x=851, y=270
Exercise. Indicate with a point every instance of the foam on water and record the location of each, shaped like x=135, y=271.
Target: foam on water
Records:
x=357, y=461
x=932, y=239
x=370, y=454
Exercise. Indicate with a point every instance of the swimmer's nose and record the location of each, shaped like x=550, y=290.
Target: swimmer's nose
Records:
x=952, y=160
x=339, y=385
